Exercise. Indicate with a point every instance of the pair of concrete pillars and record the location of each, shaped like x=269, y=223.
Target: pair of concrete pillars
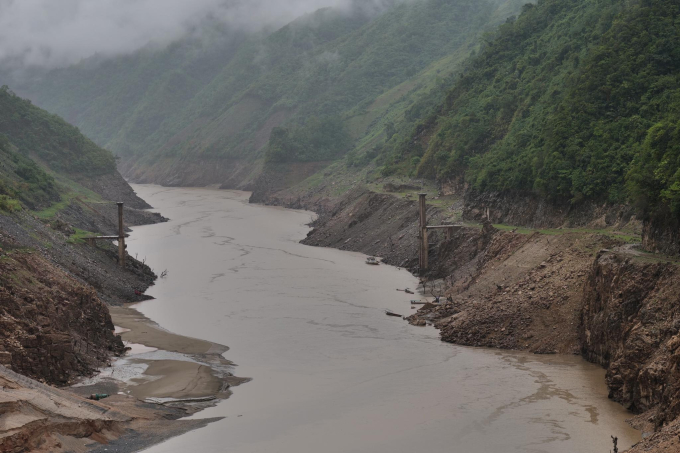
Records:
x=120, y=238
x=423, y=247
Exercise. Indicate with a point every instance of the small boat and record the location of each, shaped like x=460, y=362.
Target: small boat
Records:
x=389, y=313
x=372, y=260
x=408, y=291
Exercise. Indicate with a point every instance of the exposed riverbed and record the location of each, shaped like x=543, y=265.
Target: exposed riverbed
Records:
x=331, y=372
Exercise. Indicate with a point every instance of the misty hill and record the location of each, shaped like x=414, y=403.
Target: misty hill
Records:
x=44, y=161
x=208, y=103
x=574, y=101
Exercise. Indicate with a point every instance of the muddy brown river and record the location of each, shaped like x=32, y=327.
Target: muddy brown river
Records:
x=331, y=373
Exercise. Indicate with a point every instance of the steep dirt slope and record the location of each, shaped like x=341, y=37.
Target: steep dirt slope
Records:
x=58, y=242
x=361, y=220
x=512, y=290
x=509, y=290
x=52, y=327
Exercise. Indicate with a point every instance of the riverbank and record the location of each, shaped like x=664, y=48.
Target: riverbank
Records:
x=523, y=289
x=41, y=418
x=57, y=297
x=156, y=379
x=309, y=325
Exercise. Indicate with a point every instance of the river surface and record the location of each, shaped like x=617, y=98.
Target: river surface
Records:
x=331, y=373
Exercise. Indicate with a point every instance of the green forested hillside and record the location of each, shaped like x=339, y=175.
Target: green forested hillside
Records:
x=576, y=99
x=46, y=136
x=36, y=145
x=221, y=95
x=125, y=100
x=572, y=100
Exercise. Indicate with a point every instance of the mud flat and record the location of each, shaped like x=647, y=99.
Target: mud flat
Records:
x=162, y=378
x=40, y=418
x=164, y=368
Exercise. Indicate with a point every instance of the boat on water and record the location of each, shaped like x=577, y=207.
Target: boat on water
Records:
x=389, y=313
x=372, y=260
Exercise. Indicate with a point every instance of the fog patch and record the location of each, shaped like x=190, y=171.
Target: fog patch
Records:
x=51, y=33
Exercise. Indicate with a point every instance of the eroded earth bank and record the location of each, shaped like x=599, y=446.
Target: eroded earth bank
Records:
x=60, y=301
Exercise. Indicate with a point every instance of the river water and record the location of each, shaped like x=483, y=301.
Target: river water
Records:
x=331, y=373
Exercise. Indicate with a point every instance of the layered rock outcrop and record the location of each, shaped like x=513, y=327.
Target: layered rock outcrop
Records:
x=661, y=233
x=630, y=324
x=52, y=328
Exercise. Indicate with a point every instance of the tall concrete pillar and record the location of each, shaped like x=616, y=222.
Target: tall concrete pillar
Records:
x=121, y=236
x=423, y=258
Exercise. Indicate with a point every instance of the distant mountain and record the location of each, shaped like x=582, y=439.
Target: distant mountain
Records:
x=208, y=103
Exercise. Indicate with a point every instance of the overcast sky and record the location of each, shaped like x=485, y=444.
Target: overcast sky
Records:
x=60, y=32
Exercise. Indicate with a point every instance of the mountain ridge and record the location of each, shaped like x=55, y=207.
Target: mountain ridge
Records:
x=328, y=65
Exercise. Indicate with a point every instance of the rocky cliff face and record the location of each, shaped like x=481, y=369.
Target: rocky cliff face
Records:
x=537, y=212
x=630, y=324
x=510, y=290
x=51, y=327
x=661, y=233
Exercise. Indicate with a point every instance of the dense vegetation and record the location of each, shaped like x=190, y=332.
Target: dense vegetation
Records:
x=221, y=94
x=23, y=181
x=576, y=99
x=37, y=133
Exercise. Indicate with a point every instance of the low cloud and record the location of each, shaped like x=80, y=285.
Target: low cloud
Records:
x=54, y=33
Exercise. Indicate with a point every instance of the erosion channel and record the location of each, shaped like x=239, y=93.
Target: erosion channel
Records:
x=330, y=372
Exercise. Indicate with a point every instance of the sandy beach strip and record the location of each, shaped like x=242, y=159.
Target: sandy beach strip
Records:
x=141, y=330
x=164, y=367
